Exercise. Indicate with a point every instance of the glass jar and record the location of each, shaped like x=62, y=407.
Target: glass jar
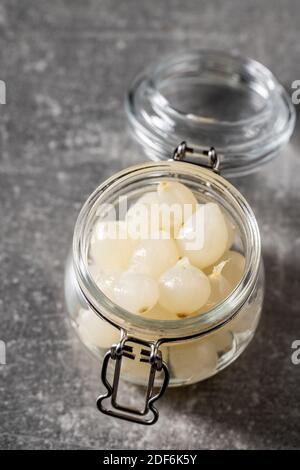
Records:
x=208, y=98
x=194, y=348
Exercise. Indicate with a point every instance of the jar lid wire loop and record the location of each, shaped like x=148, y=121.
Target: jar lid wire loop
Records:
x=207, y=158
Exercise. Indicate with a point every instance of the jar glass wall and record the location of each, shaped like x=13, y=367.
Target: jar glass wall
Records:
x=194, y=348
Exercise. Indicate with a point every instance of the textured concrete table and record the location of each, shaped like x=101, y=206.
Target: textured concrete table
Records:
x=67, y=65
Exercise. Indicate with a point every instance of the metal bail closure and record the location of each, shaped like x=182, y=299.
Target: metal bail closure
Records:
x=203, y=157
x=149, y=414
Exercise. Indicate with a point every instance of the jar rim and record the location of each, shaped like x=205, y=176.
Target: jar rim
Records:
x=169, y=329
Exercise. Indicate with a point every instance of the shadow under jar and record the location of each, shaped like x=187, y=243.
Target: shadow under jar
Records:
x=161, y=352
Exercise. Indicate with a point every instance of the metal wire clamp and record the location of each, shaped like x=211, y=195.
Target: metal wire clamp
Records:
x=149, y=414
x=203, y=157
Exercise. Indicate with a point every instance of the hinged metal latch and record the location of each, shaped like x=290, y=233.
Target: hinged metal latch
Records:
x=203, y=157
x=149, y=414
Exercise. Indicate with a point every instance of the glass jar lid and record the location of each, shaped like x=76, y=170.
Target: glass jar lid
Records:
x=211, y=99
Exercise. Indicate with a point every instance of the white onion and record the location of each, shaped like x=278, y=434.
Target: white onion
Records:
x=183, y=288
x=177, y=204
x=111, y=246
x=136, y=292
x=193, y=361
x=234, y=267
x=105, y=280
x=143, y=217
x=222, y=340
x=231, y=229
x=96, y=332
x=220, y=286
x=153, y=257
x=204, y=236
x=160, y=313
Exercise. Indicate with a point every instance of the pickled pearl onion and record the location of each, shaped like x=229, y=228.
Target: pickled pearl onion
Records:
x=137, y=293
x=183, y=289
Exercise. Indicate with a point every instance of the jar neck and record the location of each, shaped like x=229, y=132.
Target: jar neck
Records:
x=203, y=182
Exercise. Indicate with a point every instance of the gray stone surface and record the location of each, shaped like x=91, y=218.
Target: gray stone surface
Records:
x=67, y=65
